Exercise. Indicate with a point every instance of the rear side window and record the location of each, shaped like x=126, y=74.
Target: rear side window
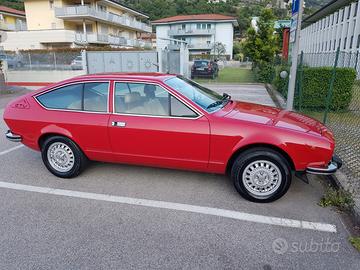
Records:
x=96, y=97
x=68, y=97
x=80, y=97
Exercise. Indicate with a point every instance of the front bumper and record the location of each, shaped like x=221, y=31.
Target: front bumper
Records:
x=333, y=166
x=13, y=137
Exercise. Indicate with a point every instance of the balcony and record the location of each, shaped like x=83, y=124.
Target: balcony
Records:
x=12, y=27
x=93, y=38
x=191, y=32
x=201, y=46
x=196, y=46
x=78, y=12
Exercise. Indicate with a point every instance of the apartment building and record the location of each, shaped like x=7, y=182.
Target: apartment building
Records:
x=336, y=25
x=12, y=19
x=200, y=32
x=73, y=23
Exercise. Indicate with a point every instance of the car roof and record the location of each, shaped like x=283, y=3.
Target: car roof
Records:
x=140, y=76
x=148, y=76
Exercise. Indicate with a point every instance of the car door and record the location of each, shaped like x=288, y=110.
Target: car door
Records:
x=149, y=126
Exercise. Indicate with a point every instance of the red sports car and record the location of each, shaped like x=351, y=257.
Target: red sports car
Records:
x=169, y=121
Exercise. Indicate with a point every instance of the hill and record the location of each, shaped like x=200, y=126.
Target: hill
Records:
x=17, y=4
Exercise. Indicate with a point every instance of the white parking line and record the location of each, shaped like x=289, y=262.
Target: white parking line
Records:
x=176, y=206
x=11, y=149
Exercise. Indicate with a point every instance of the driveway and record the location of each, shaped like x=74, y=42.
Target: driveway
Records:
x=128, y=217
x=255, y=93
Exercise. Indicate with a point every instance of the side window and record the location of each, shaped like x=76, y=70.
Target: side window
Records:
x=148, y=99
x=179, y=109
x=80, y=97
x=141, y=98
x=96, y=97
x=68, y=97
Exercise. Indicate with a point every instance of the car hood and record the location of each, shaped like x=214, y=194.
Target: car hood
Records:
x=275, y=117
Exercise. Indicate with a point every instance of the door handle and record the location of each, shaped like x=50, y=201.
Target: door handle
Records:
x=118, y=124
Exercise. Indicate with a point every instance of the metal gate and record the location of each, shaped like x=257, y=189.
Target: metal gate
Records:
x=121, y=61
x=170, y=61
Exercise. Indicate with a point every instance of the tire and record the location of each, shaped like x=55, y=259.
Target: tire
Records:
x=62, y=157
x=261, y=175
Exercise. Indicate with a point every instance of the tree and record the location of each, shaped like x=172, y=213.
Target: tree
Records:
x=262, y=45
x=219, y=49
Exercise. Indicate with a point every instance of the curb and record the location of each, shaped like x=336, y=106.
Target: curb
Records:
x=339, y=179
x=275, y=95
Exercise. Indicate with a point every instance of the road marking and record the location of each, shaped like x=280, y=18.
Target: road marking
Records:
x=11, y=149
x=292, y=223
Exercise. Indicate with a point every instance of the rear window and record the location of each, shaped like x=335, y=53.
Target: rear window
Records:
x=201, y=63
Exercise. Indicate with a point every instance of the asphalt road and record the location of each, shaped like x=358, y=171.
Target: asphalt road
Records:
x=96, y=222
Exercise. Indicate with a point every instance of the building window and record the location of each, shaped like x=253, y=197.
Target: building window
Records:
x=198, y=26
x=345, y=43
x=339, y=43
x=334, y=44
x=208, y=26
x=337, y=17
x=51, y=4
x=351, y=41
x=356, y=9
x=342, y=15
x=330, y=45
x=358, y=42
x=349, y=12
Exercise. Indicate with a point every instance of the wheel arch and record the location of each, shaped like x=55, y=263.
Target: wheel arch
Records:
x=47, y=135
x=244, y=148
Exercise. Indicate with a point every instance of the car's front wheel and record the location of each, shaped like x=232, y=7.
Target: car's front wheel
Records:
x=62, y=157
x=261, y=175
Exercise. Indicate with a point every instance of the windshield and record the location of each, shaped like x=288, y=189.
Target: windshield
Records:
x=202, y=96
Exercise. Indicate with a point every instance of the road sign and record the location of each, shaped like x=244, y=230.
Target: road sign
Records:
x=295, y=6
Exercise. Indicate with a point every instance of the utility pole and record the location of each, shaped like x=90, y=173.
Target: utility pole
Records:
x=297, y=12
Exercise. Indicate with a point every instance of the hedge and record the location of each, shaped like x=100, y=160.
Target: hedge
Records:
x=265, y=73
x=315, y=87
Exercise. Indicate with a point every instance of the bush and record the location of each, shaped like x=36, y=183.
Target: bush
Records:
x=281, y=84
x=315, y=87
x=265, y=73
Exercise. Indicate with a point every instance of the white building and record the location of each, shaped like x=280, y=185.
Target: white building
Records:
x=335, y=25
x=200, y=32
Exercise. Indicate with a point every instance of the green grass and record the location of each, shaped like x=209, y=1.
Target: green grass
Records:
x=339, y=198
x=355, y=241
x=231, y=75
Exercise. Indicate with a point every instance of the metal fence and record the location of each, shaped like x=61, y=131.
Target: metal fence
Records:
x=343, y=122
x=52, y=60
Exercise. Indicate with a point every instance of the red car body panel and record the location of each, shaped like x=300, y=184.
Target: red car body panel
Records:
x=206, y=143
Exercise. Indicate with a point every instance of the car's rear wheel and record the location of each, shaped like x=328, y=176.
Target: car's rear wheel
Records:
x=62, y=157
x=261, y=175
